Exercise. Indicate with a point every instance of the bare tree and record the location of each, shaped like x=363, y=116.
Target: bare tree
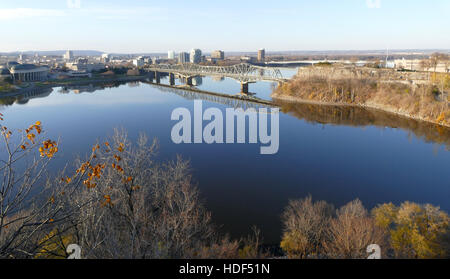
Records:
x=139, y=208
x=119, y=203
x=352, y=232
x=425, y=64
x=28, y=211
x=437, y=58
x=305, y=224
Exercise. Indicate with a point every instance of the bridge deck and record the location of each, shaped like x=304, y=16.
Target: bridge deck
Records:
x=243, y=72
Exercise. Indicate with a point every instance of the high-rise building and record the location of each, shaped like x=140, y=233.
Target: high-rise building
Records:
x=183, y=57
x=218, y=54
x=68, y=55
x=106, y=57
x=261, y=55
x=22, y=57
x=196, y=56
x=138, y=62
x=171, y=54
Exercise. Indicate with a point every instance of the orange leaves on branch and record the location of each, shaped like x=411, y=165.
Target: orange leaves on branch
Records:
x=121, y=147
x=107, y=145
x=48, y=149
x=6, y=133
x=84, y=167
x=66, y=180
x=31, y=137
x=97, y=170
x=107, y=201
x=117, y=158
x=89, y=184
x=117, y=167
x=37, y=127
x=94, y=172
x=95, y=147
x=127, y=179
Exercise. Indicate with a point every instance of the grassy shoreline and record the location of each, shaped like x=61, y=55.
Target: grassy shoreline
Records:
x=388, y=91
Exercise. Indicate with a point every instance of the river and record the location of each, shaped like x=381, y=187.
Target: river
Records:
x=333, y=153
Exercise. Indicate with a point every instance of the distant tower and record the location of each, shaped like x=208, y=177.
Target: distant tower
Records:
x=106, y=57
x=171, y=54
x=183, y=57
x=261, y=55
x=22, y=58
x=196, y=56
x=68, y=55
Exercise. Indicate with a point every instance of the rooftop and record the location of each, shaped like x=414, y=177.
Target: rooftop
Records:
x=4, y=71
x=23, y=67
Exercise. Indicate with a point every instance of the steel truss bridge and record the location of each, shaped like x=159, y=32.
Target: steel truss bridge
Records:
x=245, y=73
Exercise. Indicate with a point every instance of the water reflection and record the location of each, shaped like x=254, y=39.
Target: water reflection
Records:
x=26, y=96
x=312, y=113
x=359, y=117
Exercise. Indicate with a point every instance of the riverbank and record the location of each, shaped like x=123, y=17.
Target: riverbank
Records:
x=424, y=98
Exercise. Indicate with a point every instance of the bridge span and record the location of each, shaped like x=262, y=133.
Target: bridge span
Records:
x=244, y=73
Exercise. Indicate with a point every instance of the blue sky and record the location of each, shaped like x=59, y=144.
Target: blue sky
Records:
x=234, y=25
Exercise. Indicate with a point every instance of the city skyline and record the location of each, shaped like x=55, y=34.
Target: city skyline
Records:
x=153, y=27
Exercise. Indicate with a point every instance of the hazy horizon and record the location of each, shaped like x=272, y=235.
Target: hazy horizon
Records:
x=322, y=51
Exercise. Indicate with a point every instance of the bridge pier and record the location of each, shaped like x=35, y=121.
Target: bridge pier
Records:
x=171, y=79
x=158, y=77
x=189, y=81
x=244, y=87
x=151, y=76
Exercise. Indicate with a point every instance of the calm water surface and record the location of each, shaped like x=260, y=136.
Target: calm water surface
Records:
x=335, y=154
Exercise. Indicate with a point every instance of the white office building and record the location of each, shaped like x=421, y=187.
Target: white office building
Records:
x=139, y=62
x=68, y=55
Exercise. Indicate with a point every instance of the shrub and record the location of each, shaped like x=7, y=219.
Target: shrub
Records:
x=417, y=231
x=305, y=223
x=352, y=232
